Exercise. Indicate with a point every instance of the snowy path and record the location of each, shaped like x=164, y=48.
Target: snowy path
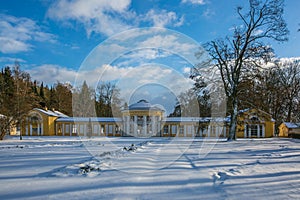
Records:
x=66, y=168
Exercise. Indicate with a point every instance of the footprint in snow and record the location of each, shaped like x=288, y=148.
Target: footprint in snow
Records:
x=219, y=178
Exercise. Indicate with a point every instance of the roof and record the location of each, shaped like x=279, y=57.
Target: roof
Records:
x=51, y=113
x=292, y=125
x=249, y=109
x=87, y=119
x=143, y=105
x=196, y=119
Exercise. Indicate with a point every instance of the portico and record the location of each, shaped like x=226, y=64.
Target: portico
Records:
x=142, y=119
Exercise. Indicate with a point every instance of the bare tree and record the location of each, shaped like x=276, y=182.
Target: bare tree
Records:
x=108, y=102
x=238, y=55
x=289, y=73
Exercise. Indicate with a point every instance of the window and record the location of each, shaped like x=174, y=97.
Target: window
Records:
x=254, y=130
x=110, y=128
x=67, y=128
x=174, y=129
x=213, y=131
x=181, y=130
x=166, y=129
x=95, y=129
x=81, y=128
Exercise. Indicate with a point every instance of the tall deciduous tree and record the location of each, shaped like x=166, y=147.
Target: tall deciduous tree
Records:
x=108, y=102
x=237, y=55
x=289, y=77
x=63, y=98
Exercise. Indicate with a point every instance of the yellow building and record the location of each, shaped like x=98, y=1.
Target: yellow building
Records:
x=142, y=119
x=41, y=122
x=289, y=129
x=255, y=123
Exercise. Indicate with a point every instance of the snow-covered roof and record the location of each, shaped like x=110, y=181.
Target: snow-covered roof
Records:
x=292, y=125
x=143, y=105
x=87, y=119
x=51, y=113
x=195, y=119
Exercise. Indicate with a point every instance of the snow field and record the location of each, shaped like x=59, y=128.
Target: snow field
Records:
x=150, y=168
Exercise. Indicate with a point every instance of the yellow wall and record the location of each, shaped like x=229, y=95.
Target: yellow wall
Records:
x=284, y=131
x=48, y=124
x=265, y=118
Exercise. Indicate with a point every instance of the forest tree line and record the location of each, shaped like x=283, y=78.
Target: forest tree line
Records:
x=275, y=90
x=19, y=94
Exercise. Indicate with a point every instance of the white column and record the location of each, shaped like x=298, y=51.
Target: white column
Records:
x=245, y=130
x=263, y=131
x=99, y=129
x=208, y=131
x=38, y=130
x=258, y=130
x=26, y=129
x=153, y=122
x=124, y=128
x=184, y=130
x=158, y=125
x=63, y=129
x=249, y=132
x=42, y=128
x=71, y=129
x=127, y=124
x=135, y=133
x=106, y=130
x=30, y=130
x=144, y=125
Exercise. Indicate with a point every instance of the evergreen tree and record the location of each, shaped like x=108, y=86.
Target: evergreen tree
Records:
x=83, y=102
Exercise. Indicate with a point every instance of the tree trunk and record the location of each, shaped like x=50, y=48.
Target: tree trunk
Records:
x=233, y=121
x=290, y=107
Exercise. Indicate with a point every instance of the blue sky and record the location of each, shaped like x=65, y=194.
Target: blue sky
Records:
x=52, y=39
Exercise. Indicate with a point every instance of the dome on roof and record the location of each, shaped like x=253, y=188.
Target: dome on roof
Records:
x=143, y=105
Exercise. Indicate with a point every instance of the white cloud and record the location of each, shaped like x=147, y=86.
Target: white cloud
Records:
x=10, y=60
x=186, y=70
x=208, y=13
x=150, y=74
x=198, y=2
x=163, y=18
x=109, y=17
x=11, y=45
x=17, y=33
x=104, y=16
x=171, y=43
x=51, y=73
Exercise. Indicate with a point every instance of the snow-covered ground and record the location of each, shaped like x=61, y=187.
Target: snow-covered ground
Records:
x=150, y=168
